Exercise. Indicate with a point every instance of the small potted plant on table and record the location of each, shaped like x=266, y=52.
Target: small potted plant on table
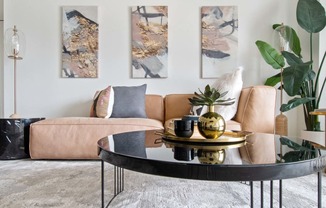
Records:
x=211, y=125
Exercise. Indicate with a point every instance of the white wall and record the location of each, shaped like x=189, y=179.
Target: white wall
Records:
x=1, y=59
x=42, y=92
x=322, y=49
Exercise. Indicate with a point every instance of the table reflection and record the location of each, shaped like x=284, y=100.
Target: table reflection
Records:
x=257, y=148
x=130, y=143
x=296, y=151
x=206, y=154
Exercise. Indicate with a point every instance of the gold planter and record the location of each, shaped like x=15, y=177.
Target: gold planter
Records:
x=211, y=125
x=211, y=156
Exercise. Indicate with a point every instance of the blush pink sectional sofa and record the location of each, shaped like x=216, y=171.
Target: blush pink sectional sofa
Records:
x=76, y=137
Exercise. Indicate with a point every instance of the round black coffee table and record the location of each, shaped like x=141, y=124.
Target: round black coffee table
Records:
x=258, y=157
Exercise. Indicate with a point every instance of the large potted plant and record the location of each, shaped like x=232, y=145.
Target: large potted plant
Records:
x=299, y=79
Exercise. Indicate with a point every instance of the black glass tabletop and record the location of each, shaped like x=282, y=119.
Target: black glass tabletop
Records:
x=252, y=157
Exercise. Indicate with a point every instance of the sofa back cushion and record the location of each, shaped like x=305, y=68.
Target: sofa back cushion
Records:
x=256, y=109
x=154, y=105
x=177, y=105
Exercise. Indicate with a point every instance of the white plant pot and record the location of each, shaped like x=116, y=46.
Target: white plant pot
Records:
x=314, y=136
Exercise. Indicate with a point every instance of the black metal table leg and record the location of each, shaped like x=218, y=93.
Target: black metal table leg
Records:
x=118, y=180
x=320, y=203
x=261, y=194
x=280, y=195
x=102, y=182
x=251, y=194
x=271, y=192
x=118, y=183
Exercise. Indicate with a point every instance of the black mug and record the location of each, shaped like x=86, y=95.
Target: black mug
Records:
x=184, y=153
x=183, y=128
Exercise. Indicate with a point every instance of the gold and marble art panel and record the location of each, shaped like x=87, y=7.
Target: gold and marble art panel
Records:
x=149, y=27
x=219, y=39
x=79, y=42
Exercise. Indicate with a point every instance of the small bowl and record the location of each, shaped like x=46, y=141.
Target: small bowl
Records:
x=183, y=128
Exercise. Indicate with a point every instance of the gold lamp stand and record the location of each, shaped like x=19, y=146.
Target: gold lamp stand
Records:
x=15, y=58
x=281, y=40
x=14, y=46
x=281, y=121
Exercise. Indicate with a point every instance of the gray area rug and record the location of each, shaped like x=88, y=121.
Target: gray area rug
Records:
x=76, y=184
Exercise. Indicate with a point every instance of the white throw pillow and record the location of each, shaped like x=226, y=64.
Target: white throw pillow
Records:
x=231, y=82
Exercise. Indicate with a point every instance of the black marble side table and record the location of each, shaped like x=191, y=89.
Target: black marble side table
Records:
x=14, y=137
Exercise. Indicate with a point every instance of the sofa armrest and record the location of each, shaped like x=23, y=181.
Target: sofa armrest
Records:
x=256, y=109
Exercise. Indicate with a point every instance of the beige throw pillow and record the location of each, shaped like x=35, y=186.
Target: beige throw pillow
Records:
x=103, y=102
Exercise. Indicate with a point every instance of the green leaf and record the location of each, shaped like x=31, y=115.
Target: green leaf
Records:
x=291, y=59
x=294, y=103
x=274, y=80
x=229, y=101
x=295, y=43
x=270, y=55
x=292, y=144
x=223, y=94
x=276, y=26
x=294, y=76
x=292, y=156
x=210, y=96
x=311, y=75
x=291, y=36
x=301, y=152
x=311, y=15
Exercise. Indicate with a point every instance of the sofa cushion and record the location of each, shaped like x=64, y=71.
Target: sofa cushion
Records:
x=176, y=105
x=129, y=102
x=103, y=103
x=76, y=137
x=256, y=109
x=154, y=105
x=120, y=102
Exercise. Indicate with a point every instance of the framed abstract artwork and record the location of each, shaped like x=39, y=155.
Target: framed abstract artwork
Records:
x=219, y=40
x=149, y=27
x=79, y=42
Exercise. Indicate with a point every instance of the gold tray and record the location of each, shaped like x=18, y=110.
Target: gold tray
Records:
x=227, y=137
x=215, y=147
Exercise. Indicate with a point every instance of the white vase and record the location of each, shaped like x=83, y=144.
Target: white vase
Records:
x=314, y=136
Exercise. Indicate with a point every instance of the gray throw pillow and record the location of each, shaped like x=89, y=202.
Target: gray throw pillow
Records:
x=129, y=102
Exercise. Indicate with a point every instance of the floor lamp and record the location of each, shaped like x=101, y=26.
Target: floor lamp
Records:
x=281, y=39
x=14, y=48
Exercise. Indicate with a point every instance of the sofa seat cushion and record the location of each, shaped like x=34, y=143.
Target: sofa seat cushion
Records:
x=48, y=138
